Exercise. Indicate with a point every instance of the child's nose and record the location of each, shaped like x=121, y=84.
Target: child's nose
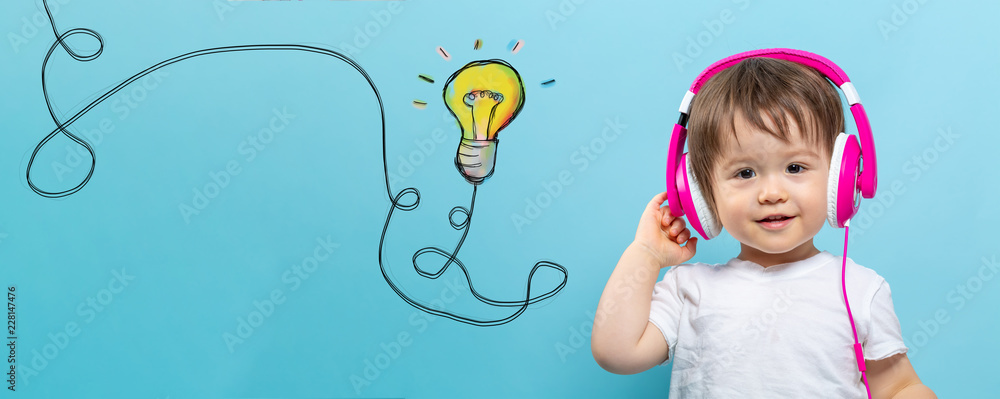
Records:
x=772, y=191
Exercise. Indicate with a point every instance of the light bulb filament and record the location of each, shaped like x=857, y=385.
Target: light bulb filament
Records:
x=483, y=104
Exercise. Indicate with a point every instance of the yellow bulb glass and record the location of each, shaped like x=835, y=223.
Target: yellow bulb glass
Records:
x=484, y=97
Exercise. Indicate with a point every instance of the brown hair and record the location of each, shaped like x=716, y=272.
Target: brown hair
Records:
x=760, y=90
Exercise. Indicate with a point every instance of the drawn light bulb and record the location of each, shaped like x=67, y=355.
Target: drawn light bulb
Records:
x=484, y=96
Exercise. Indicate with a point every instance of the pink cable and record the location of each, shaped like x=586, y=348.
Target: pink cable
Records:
x=858, y=354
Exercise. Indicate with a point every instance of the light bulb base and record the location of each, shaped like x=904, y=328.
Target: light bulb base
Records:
x=475, y=159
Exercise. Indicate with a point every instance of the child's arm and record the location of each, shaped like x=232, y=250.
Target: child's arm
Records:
x=623, y=340
x=894, y=377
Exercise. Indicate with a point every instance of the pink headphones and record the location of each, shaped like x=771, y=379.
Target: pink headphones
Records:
x=848, y=174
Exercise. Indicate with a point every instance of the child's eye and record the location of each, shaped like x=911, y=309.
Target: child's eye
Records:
x=745, y=174
x=793, y=168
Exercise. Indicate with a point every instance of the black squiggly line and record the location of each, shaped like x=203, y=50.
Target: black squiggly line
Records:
x=395, y=199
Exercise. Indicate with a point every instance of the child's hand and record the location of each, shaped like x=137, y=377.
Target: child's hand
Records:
x=661, y=234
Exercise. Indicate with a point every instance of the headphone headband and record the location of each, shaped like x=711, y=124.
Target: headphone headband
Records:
x=868, y=179
x=820, y=63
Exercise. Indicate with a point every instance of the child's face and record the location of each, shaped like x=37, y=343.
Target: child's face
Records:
x=762, y=176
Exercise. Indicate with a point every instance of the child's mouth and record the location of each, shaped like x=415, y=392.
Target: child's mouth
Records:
x=775, y=222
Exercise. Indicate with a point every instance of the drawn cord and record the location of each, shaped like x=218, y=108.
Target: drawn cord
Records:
x=395, y=199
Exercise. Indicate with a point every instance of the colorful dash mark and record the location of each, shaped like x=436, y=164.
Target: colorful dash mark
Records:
x=419, y=104
x=478, y=44
x=444, y=54
x=549, y=83
x=517, y=47
x=426, y=78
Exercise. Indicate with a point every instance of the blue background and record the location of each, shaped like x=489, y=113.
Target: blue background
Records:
x=920, y=68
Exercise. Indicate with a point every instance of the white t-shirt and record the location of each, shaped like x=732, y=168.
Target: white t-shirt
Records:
x=741, y=330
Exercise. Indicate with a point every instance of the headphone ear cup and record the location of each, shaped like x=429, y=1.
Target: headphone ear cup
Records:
x=842, y=184
x=694, y=202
